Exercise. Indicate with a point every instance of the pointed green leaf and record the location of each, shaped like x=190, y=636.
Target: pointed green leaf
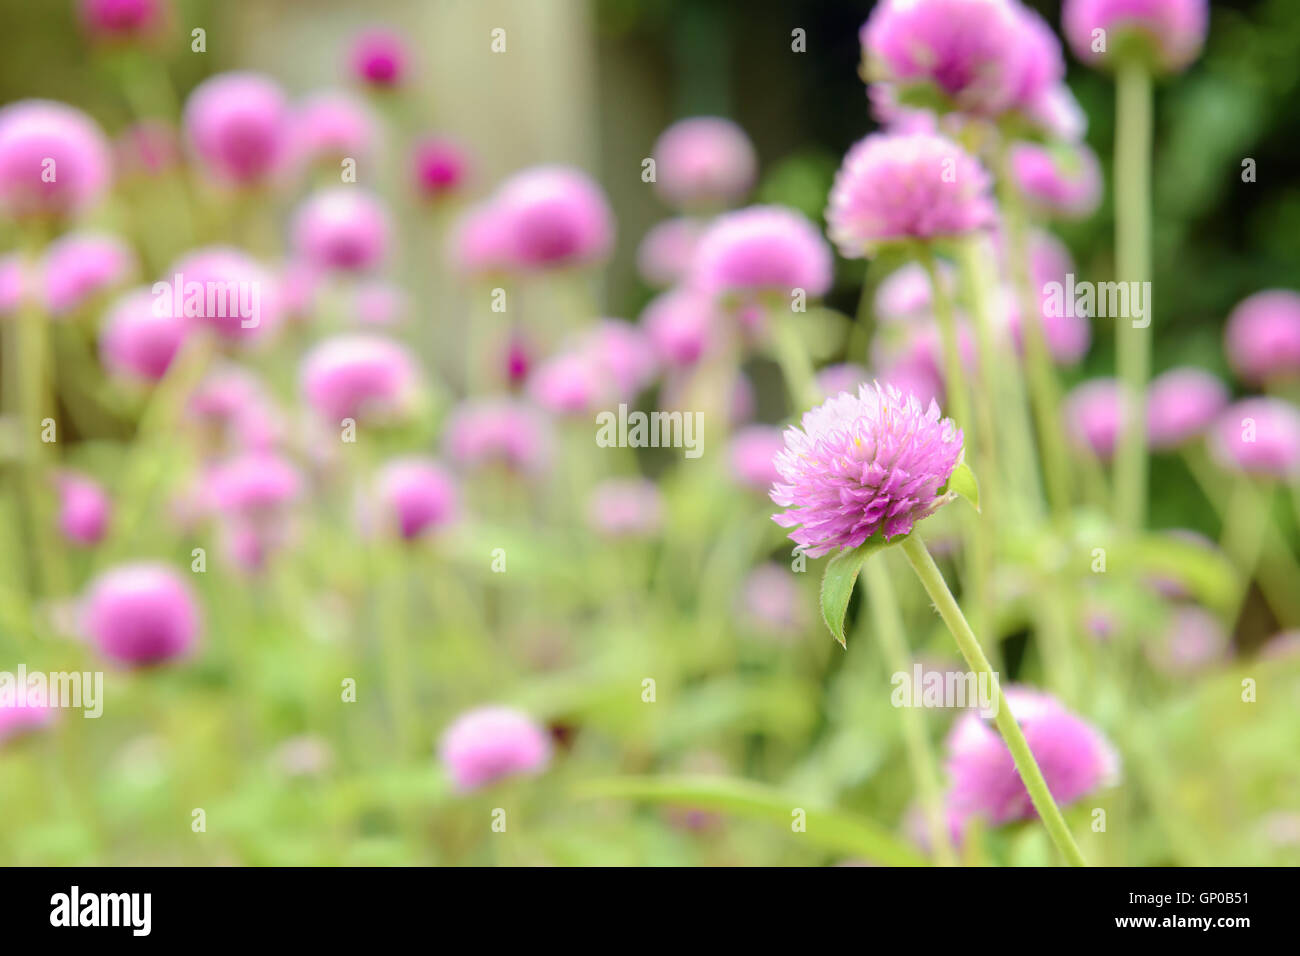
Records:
x=837, y=584
x=963, y=482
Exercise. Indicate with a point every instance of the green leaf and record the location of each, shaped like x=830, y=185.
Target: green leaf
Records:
x=837, y=583
x=963, y=482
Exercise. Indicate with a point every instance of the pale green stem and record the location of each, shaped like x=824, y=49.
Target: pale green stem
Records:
x=796, y=366
x=934, y=584
x=953, y=372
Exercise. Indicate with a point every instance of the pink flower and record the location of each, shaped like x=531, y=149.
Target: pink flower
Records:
x=415, y=496
x=54, y=160
x=499, y=431
x=682, y=326
x=82, y=265
x=1166, y=33
x=84, y=508
x=704, y=162
x=238, y=125
x=901, y=187
x=1056, y=113
x=232, y=413
x=226, y=290
x=141, y=614
x=256, y=486
x=912, y=377
x=1181, y=404
x=1094, y=414
x=555, y=217
x=479, y=244
x=1058, y=180
x=362, y=377
x=121, y=19
x=844, y=377
x=440, y=166
x=752, y=456
x=343, y=229
x=664, y=257
x=762, y=249
x=1262, y=337
x=1073, y=755
x=569, y=384
x=380, y=58
x=1193, y=642
x=770, y=602
x=137, y=340
x=488, y=744
x=26, y=713
x=620, y=352
x=1260, y=436
x=626, y=508
x=863, y=464
x=905, y=294
x=331, y=126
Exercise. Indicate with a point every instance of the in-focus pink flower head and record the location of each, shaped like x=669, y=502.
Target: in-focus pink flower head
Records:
x=1094, y=416
x=84, y=508
x=499, y=431
x=489, y=744
x=622, y=353
x=570, y=384
x=479, y=243
x=704, y=162
x=1258, y=436
x=762, y=250
x=55, y=161
x=342, y=229
x=256, y=486
x=770, y=602
x=148, y=148
x=859, y=465
x=555, y=217
x=1262, y=337
x=752, y=455
x=898, y=188
x=238, y=126
x=137, y=341
x=439, y=165
x=664, y=256
x=1167, y=35
x=626, y=508
x=1181, y=404
x=225, y=290
x=141, y=614
x=363, y=377
x=380, y=58
x=81, y=265
x=1193, y=642
x=26, y=713
x=415, y=497
x=330, y=126
x=378, y=302
x=232, y=413
x=842, y=377
x=1075, y=758
x=117, y=20
x=905, y=294
x=1058, y=180
x=682, y=325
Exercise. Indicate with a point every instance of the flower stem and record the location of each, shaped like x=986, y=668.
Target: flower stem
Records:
x=796, y=366
x=934, y=584
x=953, y=372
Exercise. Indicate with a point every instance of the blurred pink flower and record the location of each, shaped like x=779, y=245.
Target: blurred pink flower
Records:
x=762, y=249
x=664, y=257
x=138, y=341
x=1058, y=180
x=752, y=453
x=362, y=377
x=1193, y=642
x=415, y=496
x=682, y=326
x=25, y=714
x=555, y=217
x=479, y=242
x=81, y=265
x=440, y=166
x=1262, y=337
x=488, y=744
x=770, y=602
x=1181, y=404
x=122, y=19
x=569, y=384
x=141, y=614
x=499, y=432
x=379, y=58
x=1259, y=436
x=238, y=125
x=1094, y=416
x=626, y=508
x=84, y=508
x=344, y=228
x=330, y=126
x=227, y=290
x=704, y=162
x=1167, y=34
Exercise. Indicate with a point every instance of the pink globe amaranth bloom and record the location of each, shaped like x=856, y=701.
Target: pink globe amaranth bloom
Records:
x=914, y=378
x=256, y=486
x=555, y=217
x=1057, y=113
x=361, y=377
x=81, y=265
x=666, y=251
x=54, y=160
x=344, y=229
x=415, y=497
x=1075, y=758
x=379, y=58
x=25, y=714
x=138, y=340
x=752, y=456
x=843, y=377
x=1181, y=404
x=918, y=351
x=704, y=162
x=905, y=294
x=626, y=508
x=330, y=126
x=569, y=384
x=1068, y=334
x=1058, y=180
x=1259, y=436
x=875, y=462
x=682, y=326
x=439, y=166
x=1262, y=337
x=488, y=744
x=84, y=508
x=378, y=302
x=239, y=125
x=894, y=188
x=622, y=353
x=148, y=148
x=770, y=602
x=226, y=290
x=500, y=431
x=518, y=358
x=479, y=243
x=1193, y=642
x=232, y=413
x=141, y=614
x=762, y=249
x=121, y=19
x=1094, y=416
x=1167, y=34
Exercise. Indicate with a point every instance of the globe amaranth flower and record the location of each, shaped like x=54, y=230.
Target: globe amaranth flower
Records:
x=54, y=160
x=141, y=614
x=622, y=353
x=752, y=453
x=1167, y=34
x=666, y=251
x=626, y=508
x=138, y=341
x=488, y=744
x=379, y=58
x=1193, y=641
x=841, y=377
x=682, y=325
x=238, y=125
x=762, y=249
x=905, y=294
x=439, y=167
x=571, y=384
x=84, y=508
x=81, y=265
x=704, y=162
x=771, y=604
x=415, y=497
x=361, y=377
x=1058, y=180
x=893, y=188
x=231, y=413
x=1258, y=436
x=555, y=217
x=1094, y=414
x=499, y=431
x=227, y=291
x=252, y=496
x=342, y=229
x=1262, y=337
x=1075, y=759
x=330, y=126
x=1181, y=404
x=863, y=464
x=479, y=243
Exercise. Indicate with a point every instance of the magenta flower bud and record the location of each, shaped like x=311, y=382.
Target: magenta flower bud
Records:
x=518, y=359
x=331, y=126
x=1181, y=404
x=1262, y=337
x=499, y=432
x=1166, y=34
x=704, y=162
x=84, y=508
x=54, y=160
x=894, y=188
x=147, y=148
x=555, y=217
x=121, y=19
x=81, y=265
x=569, y=384
x=361, y=377
x=343, y=229
x=664, y=257
x=770, y=602
x=1058, y=180
x=24, y=715
x=1094, y=416
x=488, y=744
x=1259, y=436
x=138, y=343
x=752, y=455
x=626, y=508
x=622, y=353
x=1075, y=758
x=224, y=289
x=238, y=126
x=479, y=244
x=1193, y=642
x=380, y=58
x=762, y=249
x=141, y=614
x=682, y=325
x=257, y=486
x=874, y=462
x=415, y=497
x=440, y=167
x=842, y=377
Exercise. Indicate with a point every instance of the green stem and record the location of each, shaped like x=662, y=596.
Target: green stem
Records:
x=934, y=584
x=796, y=366
x=953, y=372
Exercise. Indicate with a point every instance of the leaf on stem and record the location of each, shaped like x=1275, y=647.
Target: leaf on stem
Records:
x=962, y=482
x=838, y=579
